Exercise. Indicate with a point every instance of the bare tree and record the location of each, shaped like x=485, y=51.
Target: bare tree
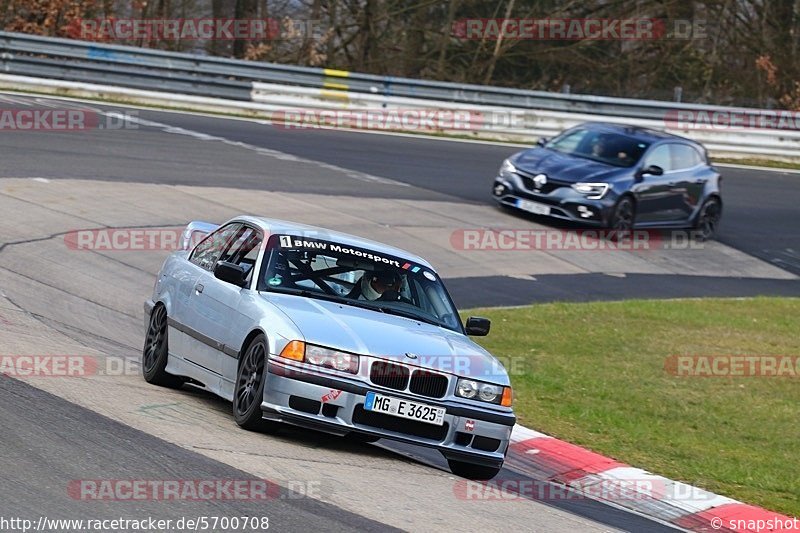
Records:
x=747, y=52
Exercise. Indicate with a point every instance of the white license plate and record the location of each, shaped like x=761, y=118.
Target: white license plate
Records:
x=533, y=207
x=420, y=412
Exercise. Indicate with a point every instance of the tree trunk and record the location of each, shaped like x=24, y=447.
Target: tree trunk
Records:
x=245, y=9
x=444, y=42
x=366, y=41
x=493, y=61
x=413, y=60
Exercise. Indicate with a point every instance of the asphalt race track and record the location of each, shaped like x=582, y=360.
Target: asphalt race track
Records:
x=416, y=193
x=35, y=460
x=760, y=206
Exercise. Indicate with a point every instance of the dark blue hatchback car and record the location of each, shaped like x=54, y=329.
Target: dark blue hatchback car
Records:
x=615, y=176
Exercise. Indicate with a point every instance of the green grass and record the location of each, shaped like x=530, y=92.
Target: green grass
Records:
x=593, y=374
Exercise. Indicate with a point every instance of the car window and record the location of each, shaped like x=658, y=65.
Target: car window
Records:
x=661, y=156
x=246, y=244
x=604, y=146
x=568, y=142
x=206, y=254
x=356, y=276
x=684, y=156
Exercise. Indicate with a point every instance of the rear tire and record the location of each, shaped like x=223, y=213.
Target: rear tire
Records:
x=249, y=389
x=708, y=219
x=156, y=351
x=473, y=471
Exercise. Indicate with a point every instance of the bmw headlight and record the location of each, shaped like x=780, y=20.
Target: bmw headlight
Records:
x=485, y=392
x=325, y=357
x=467, y=388
x=507, y=169
x=593, y=191
x=489, y=393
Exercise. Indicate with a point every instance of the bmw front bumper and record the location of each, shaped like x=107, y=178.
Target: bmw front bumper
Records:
x=335, y=404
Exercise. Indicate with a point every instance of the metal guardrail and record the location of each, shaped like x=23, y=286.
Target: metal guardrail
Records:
x=245, y=81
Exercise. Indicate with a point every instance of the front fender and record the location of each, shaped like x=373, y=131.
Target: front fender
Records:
x=256, y=313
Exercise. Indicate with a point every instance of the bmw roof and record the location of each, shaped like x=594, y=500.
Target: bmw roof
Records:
x=273, y=226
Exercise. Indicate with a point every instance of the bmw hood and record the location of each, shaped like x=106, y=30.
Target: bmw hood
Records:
x=564, y=167
x=366, y=332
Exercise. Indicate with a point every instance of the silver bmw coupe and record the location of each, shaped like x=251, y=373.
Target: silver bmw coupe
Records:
x=301, y=325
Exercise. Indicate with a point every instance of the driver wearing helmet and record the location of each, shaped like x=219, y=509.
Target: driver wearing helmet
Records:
x=374, y=285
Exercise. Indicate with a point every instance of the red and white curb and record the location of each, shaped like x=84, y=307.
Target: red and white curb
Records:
x=594, y=476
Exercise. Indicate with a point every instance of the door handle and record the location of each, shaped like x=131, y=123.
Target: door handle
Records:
x=199, y=287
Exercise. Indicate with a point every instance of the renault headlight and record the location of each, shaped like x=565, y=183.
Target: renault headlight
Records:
x=593, y=191
x=507, y=169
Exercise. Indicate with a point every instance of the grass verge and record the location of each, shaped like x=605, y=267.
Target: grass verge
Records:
x=752, y=162
x=594, y=374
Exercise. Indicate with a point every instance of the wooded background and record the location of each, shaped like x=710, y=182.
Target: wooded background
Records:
x=747, y=53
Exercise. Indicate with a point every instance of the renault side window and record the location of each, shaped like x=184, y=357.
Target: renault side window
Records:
x=684, y=156
x=661, y=156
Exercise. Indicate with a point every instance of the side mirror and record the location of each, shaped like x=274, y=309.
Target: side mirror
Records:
x=653, y=170
x=478, y=326
x=542, y=141
x=230, y=273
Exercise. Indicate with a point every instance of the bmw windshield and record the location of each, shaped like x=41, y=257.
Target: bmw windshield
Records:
x=602, y=146
x=339, y=272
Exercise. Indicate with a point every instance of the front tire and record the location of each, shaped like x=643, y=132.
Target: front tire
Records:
x=156, y=351
x=250, y=381
x=473, y=471
x=708, y=219
x=623, y=218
